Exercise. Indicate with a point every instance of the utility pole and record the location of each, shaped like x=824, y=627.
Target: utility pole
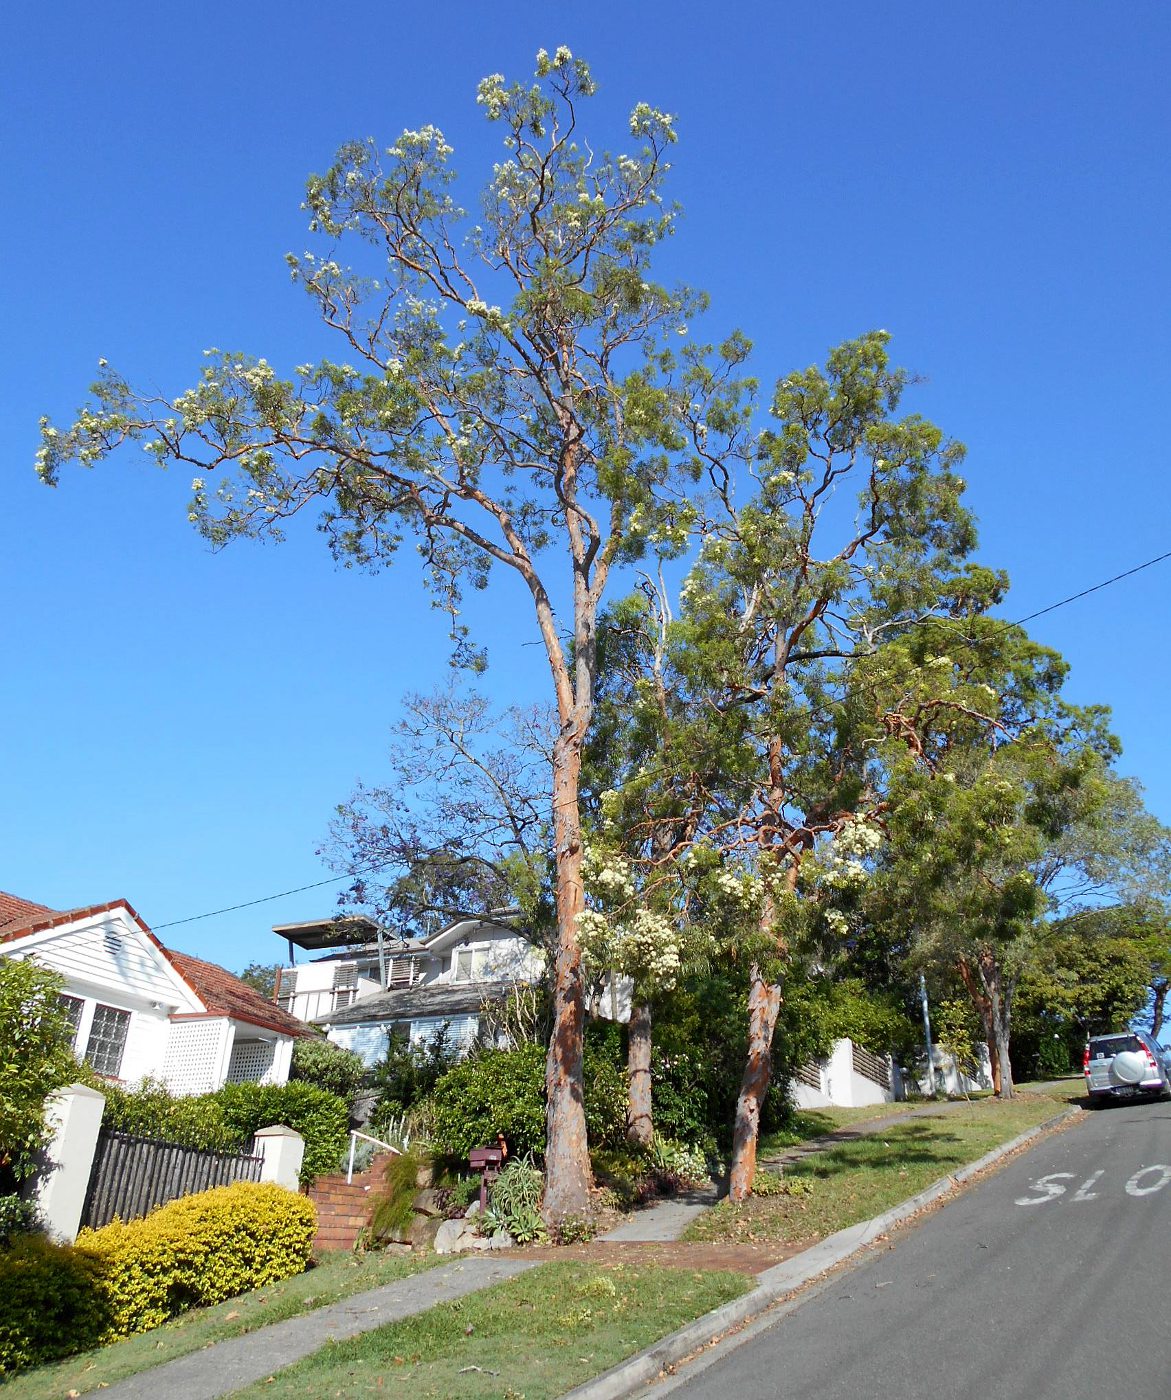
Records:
x=927, y=1033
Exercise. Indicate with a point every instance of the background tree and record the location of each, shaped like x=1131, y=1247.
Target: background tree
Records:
x=548, y=432
x=462, y=823
x=261, y=977
x=989, y=807
x=765, y=757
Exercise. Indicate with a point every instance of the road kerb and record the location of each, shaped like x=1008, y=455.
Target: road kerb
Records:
x=777, y=1283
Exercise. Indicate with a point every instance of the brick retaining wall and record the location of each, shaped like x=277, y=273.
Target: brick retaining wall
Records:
x=343, y=1208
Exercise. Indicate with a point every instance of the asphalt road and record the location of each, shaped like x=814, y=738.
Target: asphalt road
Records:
x=1048, y=1279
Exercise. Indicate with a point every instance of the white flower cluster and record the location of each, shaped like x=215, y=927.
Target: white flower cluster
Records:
x=643, y=945
x=607, y=876
x=426, y=139
x=740, y=887
x=840, y=863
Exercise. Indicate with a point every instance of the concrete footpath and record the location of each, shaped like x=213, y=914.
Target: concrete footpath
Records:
x=230, y=1365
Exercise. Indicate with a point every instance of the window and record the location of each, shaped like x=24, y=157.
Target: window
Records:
x=72, y=1007
x=107, y=1039
x=470, y=965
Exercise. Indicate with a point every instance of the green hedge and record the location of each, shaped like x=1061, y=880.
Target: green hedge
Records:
x=503, y=1091
x=126, y=1278
x=321, y=1118
x=226, y=1120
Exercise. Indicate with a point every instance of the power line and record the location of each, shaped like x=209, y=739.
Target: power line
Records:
x=374, y=869
x=1085, y=593
x=268, y=898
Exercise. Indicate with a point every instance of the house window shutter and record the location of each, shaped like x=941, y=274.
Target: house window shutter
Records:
x=345, y=984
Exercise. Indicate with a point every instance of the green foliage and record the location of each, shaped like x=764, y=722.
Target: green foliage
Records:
x=261, y=977
x=17, y=1217
x=494, y=1091
x=958, y=1031
x=684, y=1162
x=128, y=1278
x=35, y=1056
x=152, y=1111
x=515, y=1203
x=408, y=1073
x=393, y=1212
x=821, y=1011
x=227, y=1120
x=503, y=1091
x=54, y=1303
x=766, y=1183
x=328, y=1066
x=321, y=1118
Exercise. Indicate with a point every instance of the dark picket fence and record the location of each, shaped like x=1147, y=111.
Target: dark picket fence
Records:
x=131, y=1175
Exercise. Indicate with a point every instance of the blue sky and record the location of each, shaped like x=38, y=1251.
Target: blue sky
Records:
x=988, y=183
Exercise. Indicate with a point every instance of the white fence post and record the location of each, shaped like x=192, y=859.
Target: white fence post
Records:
x=75, y=1116
x=283, y=1150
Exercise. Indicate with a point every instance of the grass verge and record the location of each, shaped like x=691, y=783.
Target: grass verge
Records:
x=535, y=1336
x=336, y=1276
x=856, y=1180
x=808, y=1123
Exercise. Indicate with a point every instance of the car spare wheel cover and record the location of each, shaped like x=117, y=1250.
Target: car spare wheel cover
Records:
x=1128, y=1068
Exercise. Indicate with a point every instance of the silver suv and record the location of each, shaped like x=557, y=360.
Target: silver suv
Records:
x=1125, y=1066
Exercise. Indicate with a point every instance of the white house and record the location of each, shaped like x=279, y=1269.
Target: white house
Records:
x=141, y=1009
x=371, y=984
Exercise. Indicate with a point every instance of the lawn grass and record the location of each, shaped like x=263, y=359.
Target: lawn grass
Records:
x=535, y=1336
x=807, y=1123
x=336, y=1276
x=856, y=1180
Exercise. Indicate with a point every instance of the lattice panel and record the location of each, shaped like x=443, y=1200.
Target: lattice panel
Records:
x=251, y=1062
x=193, y=1055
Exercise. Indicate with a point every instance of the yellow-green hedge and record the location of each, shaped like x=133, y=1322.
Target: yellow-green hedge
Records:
x=127, y=1278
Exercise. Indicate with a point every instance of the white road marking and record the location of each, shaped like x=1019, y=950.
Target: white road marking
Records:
x=1164, y=1177
x=1050, y=1186
x=1083, y=1193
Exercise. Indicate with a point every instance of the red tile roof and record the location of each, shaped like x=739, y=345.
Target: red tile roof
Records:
x=225, y=995
x=15, y=912
x=220, y=990
x=54, y=918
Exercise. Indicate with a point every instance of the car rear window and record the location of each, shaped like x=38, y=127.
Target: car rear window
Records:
x=1107, y=1046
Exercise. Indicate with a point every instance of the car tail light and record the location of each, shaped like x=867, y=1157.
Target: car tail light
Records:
x=1086, y=1060
x=1152, y=1061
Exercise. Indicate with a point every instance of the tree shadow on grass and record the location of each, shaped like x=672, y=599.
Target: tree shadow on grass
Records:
x=916, y=1143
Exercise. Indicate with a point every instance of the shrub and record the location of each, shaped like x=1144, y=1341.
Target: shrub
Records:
x=197, y=1251
x=35, y=1056
x=54, y=1303
x=153, y=1111
x=17, y=1217
x=328, y=1066
x=503, y=1091
x=227, y=1120
x=515, y=1203
x=121, y=1279
x=321, y=1118
x=393, y=1210
x=407, y=1073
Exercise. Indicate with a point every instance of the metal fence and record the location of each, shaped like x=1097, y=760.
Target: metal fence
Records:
x=132, y=1175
